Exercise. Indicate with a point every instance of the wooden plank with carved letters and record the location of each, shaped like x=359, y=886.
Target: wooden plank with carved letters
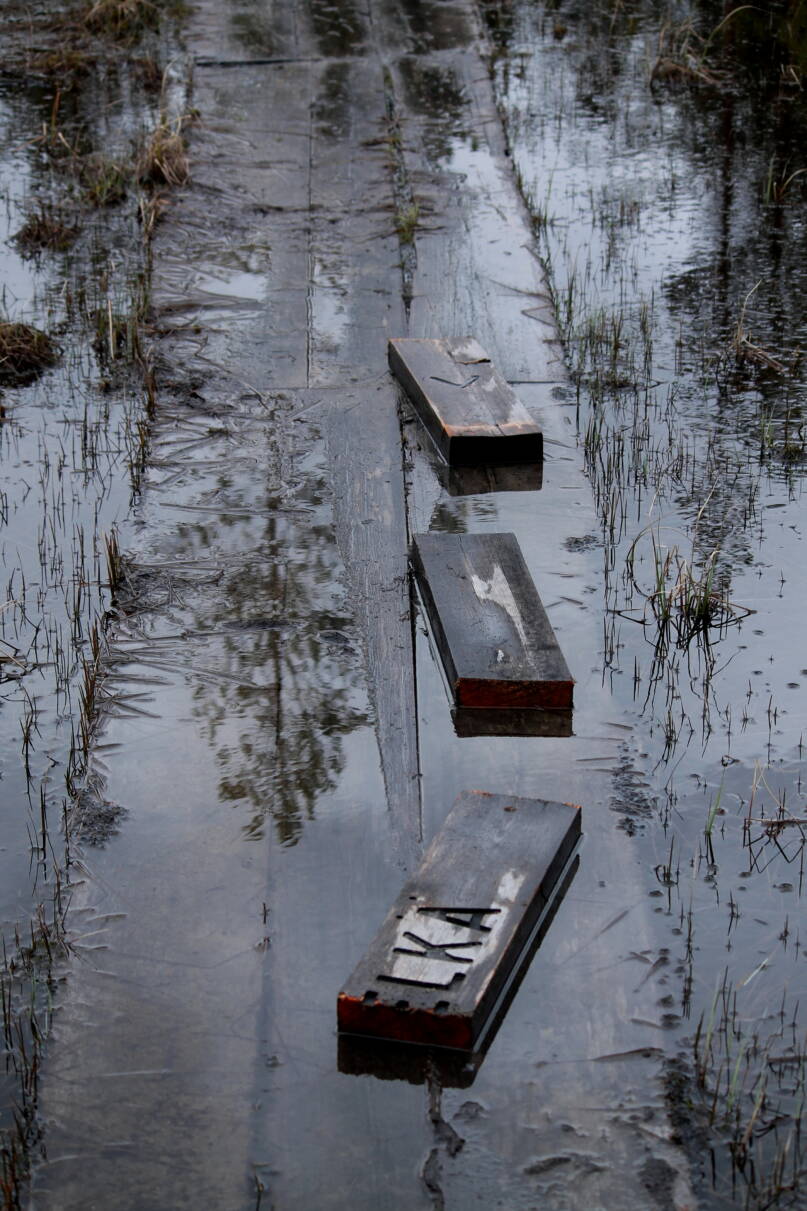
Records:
x=496, y=643
x=453, y=940
x=471, y=413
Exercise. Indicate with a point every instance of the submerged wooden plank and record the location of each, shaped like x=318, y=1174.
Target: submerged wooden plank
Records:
x=455, y=935
x=496, y=643
x=471, y=413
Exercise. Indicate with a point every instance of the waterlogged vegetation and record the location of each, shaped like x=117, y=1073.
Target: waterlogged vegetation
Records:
x=660, y=149
x=90, y=139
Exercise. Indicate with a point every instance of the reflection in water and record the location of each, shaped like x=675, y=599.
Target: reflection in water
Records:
x=434, y=91
x=436, y=26
x=405, y=1062
x=255, y=32
x=685, y=343
x=475, y=481
x=276, y=667
x=278, y=742
x=338, y=28
x=476, y=722
x=676, y=235
x=332, y=108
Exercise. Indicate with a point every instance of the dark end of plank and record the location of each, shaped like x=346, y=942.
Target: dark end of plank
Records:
x=456, y=935
x=471, y=413
x=496, y=643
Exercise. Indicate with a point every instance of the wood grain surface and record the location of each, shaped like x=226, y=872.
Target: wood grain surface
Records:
x=471, y=413
x=495, y=640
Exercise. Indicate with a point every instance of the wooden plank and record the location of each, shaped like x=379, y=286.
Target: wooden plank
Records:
x=455, y=935
x=471, y=413
x=496, y=643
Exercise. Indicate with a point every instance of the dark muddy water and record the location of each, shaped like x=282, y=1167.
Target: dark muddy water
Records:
x=281, y=748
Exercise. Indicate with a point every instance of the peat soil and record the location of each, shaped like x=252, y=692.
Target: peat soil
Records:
x=274, y=723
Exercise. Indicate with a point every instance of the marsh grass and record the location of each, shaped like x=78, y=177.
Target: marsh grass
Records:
x=129, y=20
x=779, y=182
x=751, y=1091
x=684, y=597
x=104, y=181
x=745, y=350
x=68, y=64
x=406, y=221
x=163, y=159
x=124, y=19
x=47, y=228
x=686, y=55
x=25, y=353
x=56, y=598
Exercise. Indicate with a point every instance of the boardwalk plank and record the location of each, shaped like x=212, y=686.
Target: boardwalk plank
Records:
x=455, y=934
x=496, y=643
x=471, y=413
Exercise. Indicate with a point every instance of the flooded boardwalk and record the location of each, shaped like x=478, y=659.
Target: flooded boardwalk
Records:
x=276, y=737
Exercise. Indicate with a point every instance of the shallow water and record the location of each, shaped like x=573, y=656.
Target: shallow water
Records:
x=654, y=219
x=281, y=753
x=69, y=449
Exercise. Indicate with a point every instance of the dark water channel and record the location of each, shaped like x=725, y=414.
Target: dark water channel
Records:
x=280, y=749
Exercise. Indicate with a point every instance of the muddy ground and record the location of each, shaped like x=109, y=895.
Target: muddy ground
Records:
x=613, y=206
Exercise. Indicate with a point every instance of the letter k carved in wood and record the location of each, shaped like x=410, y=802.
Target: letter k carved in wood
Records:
x=433, y=944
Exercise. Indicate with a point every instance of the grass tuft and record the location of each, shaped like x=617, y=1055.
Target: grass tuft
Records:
x=126, y=19
x=25, y=353
x=104, y=180
x=406, y=221
x=45, y=228
x=163, y=160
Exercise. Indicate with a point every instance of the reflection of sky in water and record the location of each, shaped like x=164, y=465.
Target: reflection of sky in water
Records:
x=17, y=288
x=235, y=285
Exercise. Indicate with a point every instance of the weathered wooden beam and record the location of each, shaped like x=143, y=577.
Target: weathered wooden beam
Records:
x=496, y=643
x=455, y=935
x=471, y=413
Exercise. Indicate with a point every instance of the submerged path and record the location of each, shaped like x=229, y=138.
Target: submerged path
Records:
x=277, y=730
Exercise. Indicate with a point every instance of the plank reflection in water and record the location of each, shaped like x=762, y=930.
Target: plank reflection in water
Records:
x=478, y=481
x=472, y=722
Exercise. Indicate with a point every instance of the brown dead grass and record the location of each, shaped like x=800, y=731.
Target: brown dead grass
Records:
x=163, y=160
x=66, y=64
x=25, y=353
x=46, y=228
x=122, y=18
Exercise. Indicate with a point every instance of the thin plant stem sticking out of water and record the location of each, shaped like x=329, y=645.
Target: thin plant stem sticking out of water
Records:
x=751, y=1089
x=685, y=601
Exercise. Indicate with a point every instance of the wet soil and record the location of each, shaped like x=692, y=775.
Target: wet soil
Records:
x=275, y=745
